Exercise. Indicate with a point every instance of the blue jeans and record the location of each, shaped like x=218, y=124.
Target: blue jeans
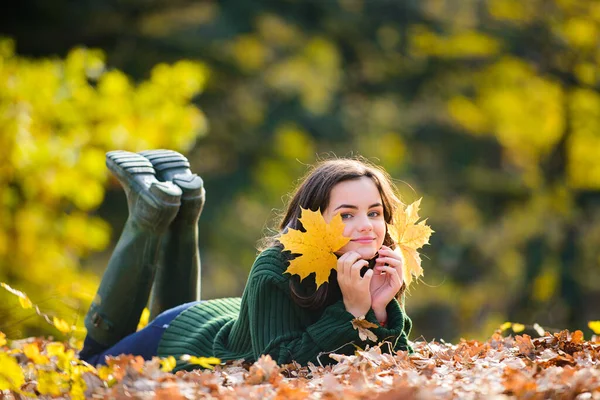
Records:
x=141, y=343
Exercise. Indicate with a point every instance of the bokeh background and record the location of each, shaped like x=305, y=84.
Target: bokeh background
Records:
x=488, y=109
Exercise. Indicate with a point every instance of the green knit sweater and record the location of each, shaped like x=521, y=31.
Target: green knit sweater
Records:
x=267, y=321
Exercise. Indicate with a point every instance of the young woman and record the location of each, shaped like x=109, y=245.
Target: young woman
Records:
x=278, y=314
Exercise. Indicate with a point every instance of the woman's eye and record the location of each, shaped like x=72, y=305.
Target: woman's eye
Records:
x=374, y=214
x=345, y=215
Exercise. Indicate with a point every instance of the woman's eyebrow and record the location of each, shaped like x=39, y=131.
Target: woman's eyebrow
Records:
x=356, y=208
x=346, y=206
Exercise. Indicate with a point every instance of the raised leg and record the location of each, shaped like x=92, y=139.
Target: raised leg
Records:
x=178, y=275
x=126, y=283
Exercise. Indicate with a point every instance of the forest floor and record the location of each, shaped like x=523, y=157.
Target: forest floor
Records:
x=559, y=366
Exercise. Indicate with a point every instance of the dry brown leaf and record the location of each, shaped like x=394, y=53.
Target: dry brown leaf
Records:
x=263, y=370
x=362, y=325
x=525, y=345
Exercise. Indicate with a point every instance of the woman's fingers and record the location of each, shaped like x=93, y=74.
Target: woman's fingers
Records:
x=387, y=252
x=345, y=263
x=393, y=275
x=356, y=267
x=395, y=262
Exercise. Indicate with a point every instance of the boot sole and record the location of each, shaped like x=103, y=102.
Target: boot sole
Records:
x=126, y=165
x=164, y=161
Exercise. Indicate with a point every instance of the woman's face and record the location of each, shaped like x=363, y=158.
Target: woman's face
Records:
x=359, y=203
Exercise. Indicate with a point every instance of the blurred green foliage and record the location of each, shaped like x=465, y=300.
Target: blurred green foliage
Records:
x=490, y=110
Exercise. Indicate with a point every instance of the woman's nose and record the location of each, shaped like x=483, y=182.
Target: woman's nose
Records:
x=364, y=224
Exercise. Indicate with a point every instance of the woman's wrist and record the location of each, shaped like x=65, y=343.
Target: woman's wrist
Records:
x=381, y=315
x=356, y=311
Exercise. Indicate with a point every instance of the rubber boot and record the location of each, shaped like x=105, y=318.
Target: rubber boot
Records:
x=127, y=281
x=178, y=276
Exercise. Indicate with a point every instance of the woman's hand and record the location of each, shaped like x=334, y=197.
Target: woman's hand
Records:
x=355, y=289
x=386, y=282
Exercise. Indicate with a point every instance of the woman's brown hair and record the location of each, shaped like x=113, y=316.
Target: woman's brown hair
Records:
x=314, y=192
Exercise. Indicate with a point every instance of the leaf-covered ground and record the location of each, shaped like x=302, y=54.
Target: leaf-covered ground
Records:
x=559, y=366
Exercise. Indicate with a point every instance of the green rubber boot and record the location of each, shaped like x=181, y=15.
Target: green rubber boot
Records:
x=127, y=281
x=178, y=276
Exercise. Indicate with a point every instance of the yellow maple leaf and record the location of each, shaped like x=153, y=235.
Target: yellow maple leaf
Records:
x=516, y=327
x=63, y=358
x=32, y=351
x=167, y=364
x=594, y=326
x=317, y=245
x=2, y=339
x=50, y=382
x=11, y=374
x=143, y=322
x=105, y=373
x=25, y=302
x=410, y=236
x=61, y=325
x=505, y=326
x=204, y=362
x=23, y=299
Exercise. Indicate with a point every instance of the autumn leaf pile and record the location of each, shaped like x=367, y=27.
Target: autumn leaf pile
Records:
x=560, y=365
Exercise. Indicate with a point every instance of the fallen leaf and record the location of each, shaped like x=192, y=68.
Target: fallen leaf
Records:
x=577, y=337
x=263, y=370
x=362, y=325
x=505, y=326
x=51, y=382
x=540, y=331
x=204, y=362
x=525, y=345
x=167, y=364
x=143, y=322
x=23, y=299
x=61, y=325
x=11, y=374
x=32, y=351
x=316, y=246
x=594, y=326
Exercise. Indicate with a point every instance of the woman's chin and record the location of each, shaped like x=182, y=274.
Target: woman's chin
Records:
x=366, y=254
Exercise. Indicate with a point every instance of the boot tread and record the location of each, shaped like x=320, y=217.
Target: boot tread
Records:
x=170, y=165
x=126, y=168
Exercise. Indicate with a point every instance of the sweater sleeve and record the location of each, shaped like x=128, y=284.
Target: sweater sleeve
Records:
x=397, y=328
x=275, y=328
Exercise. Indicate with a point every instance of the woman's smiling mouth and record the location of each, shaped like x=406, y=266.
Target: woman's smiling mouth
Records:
x=364, y=240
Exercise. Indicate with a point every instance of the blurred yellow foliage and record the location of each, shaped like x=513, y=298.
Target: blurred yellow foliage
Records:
x=57, y=119
x=463, y=44
x=581, y=32
x=275, y=30
x=523, y=110
x=512, y=10
x=249, y=52
x=163, y=22
x=583, y=144
x=314, y=74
